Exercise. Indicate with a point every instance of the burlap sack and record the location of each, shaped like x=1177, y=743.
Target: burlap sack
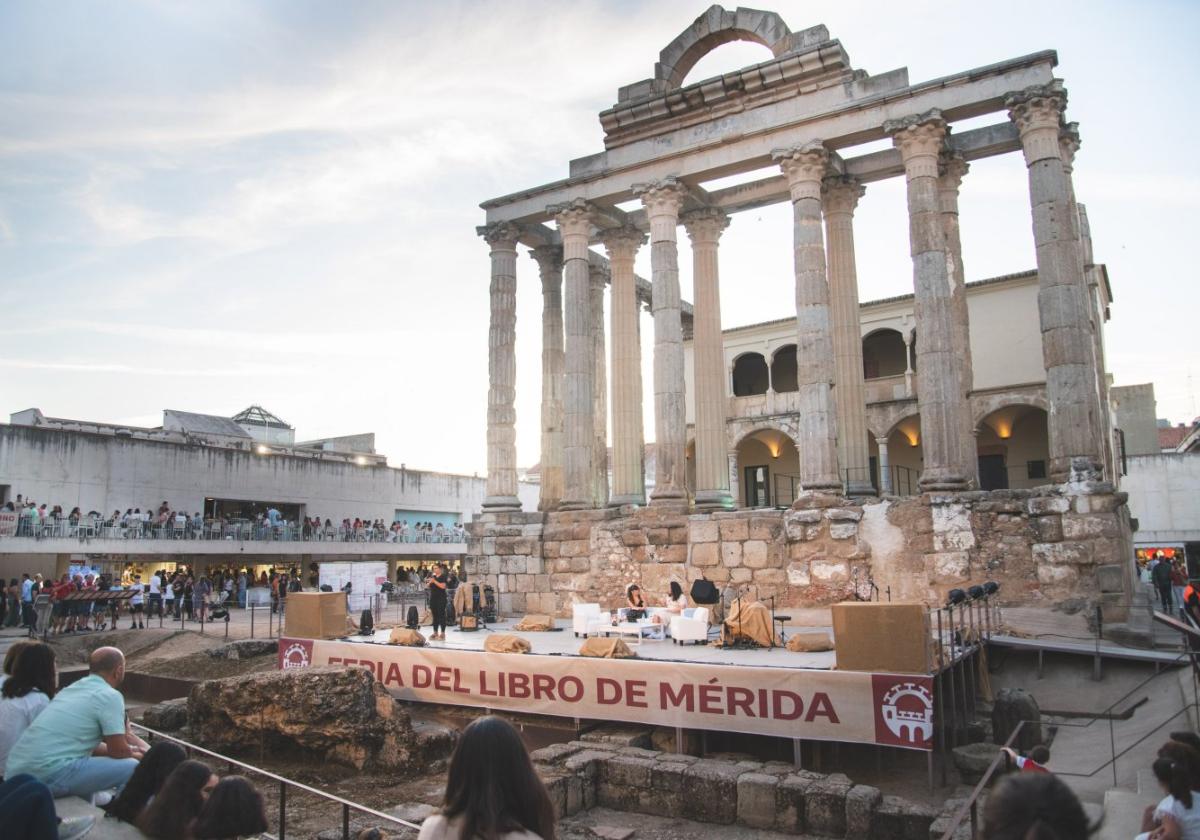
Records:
x=504, y=643
x=404, y=636
x=810, y=642
x=603, y=648
x=534, y=623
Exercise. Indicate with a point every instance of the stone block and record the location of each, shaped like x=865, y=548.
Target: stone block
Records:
x=617, y=797
x=703, y=531
x=579, y=565
x=790, y=799
x=556, y=789
x=754, y=554
x=1106, y=550
x=1110, y=578
x=627, y=770
x=1042, y=505
x=678, y=536
x=1062, y=553
x=948, y=566
x=734, y=530
x=1052, y=575
x=586, y=762
x=1100, y=503
x=658, y=536
x=797, y=574
x=705, y=554
x=756, y=799
x=861, y=804
x=740, y=574
x=899, y=819
x=667, y=774
x=829, y=571
x=770, y=577
x=973, y=760
x=1081, y=526
x=673, y=554
x=763, y=528
x=825, y=807
x=731, y=553
x=575, y=795
x=1049, y=528
x=633, y=537
x=710, y=791
x=843, y=514
x=843, y=530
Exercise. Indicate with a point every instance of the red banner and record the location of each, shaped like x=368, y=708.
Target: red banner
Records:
x=851, y=706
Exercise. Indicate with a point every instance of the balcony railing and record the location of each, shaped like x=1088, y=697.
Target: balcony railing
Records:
x=93, y=528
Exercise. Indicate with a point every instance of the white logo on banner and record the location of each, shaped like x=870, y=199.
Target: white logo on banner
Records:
x=912, y=725
x=295, y=656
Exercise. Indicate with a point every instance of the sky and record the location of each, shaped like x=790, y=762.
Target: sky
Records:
x=209, y=205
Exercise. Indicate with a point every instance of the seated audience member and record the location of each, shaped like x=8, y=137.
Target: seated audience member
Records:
x=1177, y=816
x=235, y=809
x=1035, y=762
x=1190, y=739
x=1186, y=756
x=25, y=694
x=677, y=602
x=10, y=658
x=79, y=745
x=1033, y=806
x=183, y=794
x=635, y=602
x=27, y=811
x=147, y=780
x=492, y=789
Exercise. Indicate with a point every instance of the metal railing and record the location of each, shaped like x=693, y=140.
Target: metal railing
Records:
x=284, y=784
x=89, y=528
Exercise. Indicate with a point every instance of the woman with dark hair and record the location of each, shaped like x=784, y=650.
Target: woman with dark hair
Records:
x=178, y=801
x=235, y=809
x=1178, y=814
x=1034, y=806
x=147, y=780
x=25, y=694
x=1189, y=758
x=10, y=658
x=492, y=791
x=635, y=602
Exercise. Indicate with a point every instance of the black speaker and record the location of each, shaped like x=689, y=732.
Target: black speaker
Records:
x=955, y=596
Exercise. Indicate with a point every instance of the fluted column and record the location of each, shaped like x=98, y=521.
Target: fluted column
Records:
x=628, y=478
x=840, y=197
x=704, y=228
x=663, y=200
x=1076, y=436
x=907, y=337
x=598, y=280
x=920, y=140
x=952, y=171
x=805, y=167
x=550, y=266
x=502, y=370
x=885, y=471
x=574, y=221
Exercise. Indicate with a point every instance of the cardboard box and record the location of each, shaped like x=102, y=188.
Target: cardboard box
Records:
x=891, y=637
x=316, y=615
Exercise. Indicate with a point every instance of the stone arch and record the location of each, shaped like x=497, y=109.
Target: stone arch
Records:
x=761, y=424
x=984, y=404
x=783, y=369
x=714, y=28
x=884, y=353
x=750, y=374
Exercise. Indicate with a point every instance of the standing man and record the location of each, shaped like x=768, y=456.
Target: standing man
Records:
x=80, y=744
x=1160, y=575
x=155, y=607
x=437, y=601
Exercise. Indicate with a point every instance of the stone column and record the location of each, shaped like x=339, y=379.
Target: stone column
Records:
x=704, y=227
x=885, y=472
x=920, y=140
x=628, y=479
x=840, y=197
x=805, y=167
x=599, y=279
x=663, y=200
x=952, y=171
x=574, y=221
x=1076, y=436
x=550, y=265
x=907, y=337
x=734, y=486
x=502, y=370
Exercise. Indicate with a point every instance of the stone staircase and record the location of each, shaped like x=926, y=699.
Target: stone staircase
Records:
x=1141, y=630
x=1123, y=809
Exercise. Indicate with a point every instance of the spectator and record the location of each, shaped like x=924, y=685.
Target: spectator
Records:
x=1178, y=581
x=147, y=780
x=10, y=659
x=27, y=810
x=1189, y=739
x=1035, y=762
x=1186, y=756
x=61, y=747
x=182, y=796
x=137, y=604
x=492, y=790
x=12, y=595
x=235, y=809
x=25, y=694
x=1033, y=806
x=1177, y=816
x=1161, y=576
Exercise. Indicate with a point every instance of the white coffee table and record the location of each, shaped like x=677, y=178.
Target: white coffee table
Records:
x=636, y=631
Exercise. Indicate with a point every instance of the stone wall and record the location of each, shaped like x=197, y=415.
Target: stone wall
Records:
x=771, y=795
x=1045, y=546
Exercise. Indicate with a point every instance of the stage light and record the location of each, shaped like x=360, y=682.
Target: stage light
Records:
x=991, y=587
x=955, y=596
x=262, y=450
x=976, y=592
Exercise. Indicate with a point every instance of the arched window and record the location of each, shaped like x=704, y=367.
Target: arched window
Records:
x=883, y=354
x=750, y=375
x=783, y=369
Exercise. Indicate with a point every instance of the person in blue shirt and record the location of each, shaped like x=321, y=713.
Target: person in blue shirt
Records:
x=80, y=744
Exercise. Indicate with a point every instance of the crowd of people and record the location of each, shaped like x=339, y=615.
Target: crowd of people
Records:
x=78, y=742
x=164, y=522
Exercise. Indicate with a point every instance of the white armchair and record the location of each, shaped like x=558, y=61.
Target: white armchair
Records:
x=581, y=615
x=690, y=626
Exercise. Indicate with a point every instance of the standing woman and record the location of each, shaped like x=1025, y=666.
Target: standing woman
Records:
x=437, y=601
x=492, y=790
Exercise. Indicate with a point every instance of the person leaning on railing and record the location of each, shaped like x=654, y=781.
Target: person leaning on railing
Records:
x=1034, y=806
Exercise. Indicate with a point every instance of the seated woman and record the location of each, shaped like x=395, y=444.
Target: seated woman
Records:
x=147, y=780
x=235, y=809
x=25, y=694
x=178, y=802
x=676, y=602
x=635, y=603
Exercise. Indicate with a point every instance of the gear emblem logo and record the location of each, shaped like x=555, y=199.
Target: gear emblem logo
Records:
x=903, y=711
x=297, y=654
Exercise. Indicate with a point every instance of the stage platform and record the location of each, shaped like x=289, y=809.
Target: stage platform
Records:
x=562, y=642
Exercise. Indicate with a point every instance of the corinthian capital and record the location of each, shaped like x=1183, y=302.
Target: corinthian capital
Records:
x=501, y=236
x=1037, y=112
x=622, y=243
x=840, y=194
x=705, y=225
x=661, y=198
x=804, y=167
x=920, y=139
x=1068, y=144
x=549, y=259
x=953, y=168
x=574, y=218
